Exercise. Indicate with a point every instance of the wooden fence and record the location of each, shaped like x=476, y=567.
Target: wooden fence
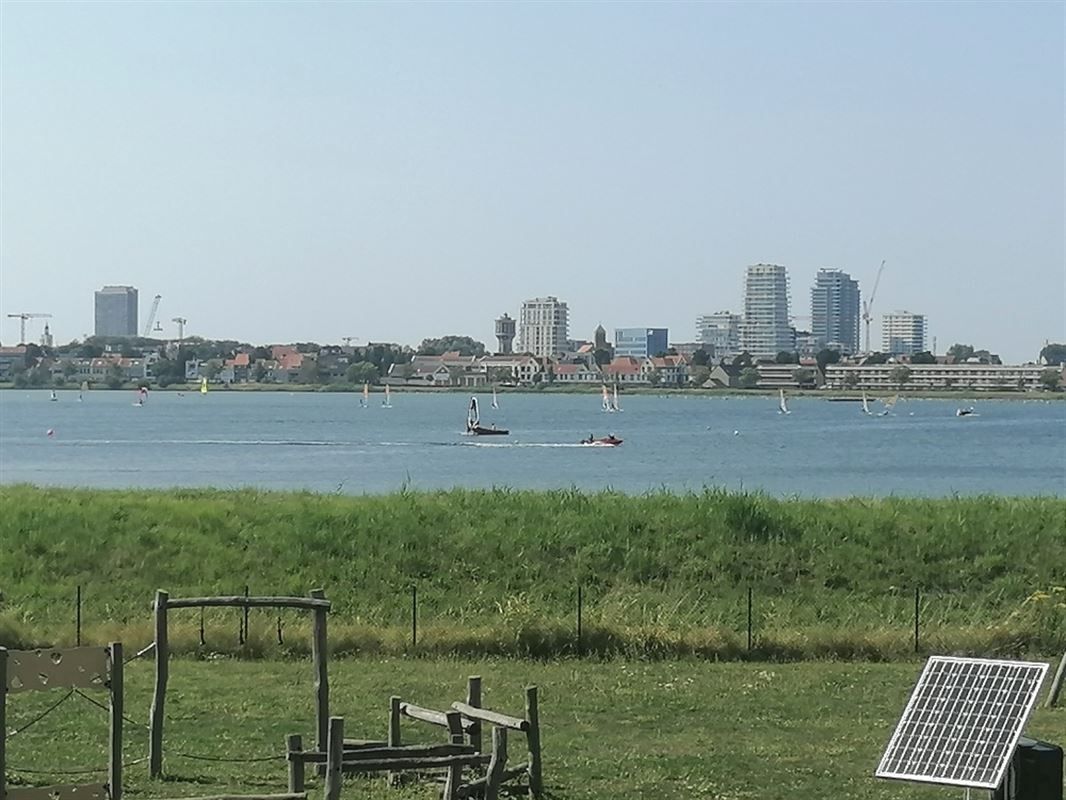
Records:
x=75, y=668
x=316, y=603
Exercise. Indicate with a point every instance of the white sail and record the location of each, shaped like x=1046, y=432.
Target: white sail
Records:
x=366, y=395
x=865, y=404
x=203, y=385
x=606, y=404
x=495, y=402
x=473, y=417
x=387, y=402
x=890, y=404
x=783, y=403
x=614, y=401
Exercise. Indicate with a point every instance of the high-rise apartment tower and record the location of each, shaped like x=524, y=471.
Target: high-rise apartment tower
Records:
x=543, y=326
x=902, y=333
x=766, y=331
x=719, y=334
x=835, y=311
x=116, y=311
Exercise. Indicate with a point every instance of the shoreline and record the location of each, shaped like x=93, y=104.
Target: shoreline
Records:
x=833, y=395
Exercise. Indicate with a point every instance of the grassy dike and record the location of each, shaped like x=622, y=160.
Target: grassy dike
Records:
x=496, y=571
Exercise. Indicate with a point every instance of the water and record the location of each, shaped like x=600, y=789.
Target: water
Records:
x=326, y=442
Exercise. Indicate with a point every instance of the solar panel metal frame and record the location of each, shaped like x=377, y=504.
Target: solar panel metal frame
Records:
x=949, y=734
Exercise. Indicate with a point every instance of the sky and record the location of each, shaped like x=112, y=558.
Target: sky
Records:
x=394, y=171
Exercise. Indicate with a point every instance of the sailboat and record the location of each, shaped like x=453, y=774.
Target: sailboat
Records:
x=53, y=398
x=203, y=385
x=782, y=407
x=365, y=402
x=474, y=426
x=865, y=405
x=614, y=401
x=889, y=405
x=495, y=402
x=387, y=402
x=84, y=388
x=606, y=399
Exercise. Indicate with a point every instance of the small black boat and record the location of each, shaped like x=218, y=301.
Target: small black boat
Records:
x=474, y=426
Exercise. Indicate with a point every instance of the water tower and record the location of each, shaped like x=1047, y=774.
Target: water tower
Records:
x=505, y=330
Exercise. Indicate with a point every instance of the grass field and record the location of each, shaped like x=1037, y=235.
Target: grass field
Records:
x=612, y=729
x=497, y=571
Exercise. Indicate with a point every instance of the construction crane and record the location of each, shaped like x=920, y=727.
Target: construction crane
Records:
x=181, y=328
x=151, y=315
x=25, y=315
x=867, y=305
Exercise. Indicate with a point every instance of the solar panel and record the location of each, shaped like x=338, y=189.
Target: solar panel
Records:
x=962, y=722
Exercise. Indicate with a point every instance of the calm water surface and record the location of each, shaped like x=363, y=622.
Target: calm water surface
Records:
x=326, y=442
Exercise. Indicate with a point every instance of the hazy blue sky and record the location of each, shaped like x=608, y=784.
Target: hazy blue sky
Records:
x=307, y=171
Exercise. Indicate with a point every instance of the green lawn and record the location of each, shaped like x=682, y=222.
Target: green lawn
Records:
x=611, y=729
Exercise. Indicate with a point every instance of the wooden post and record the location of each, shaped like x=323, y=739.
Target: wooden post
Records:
x=917, y=611
x=162, y=655
x=579, y=647
x=294, y=743
x=473, y=698
x=498, y=764
x=3, y=723
x=1052, y=695
x=244, y=627
x=334, y=757
x=203, y=640
x=114, y=766
x=319, y=655
x=536, y=784
x=394, y=733
x=77, y=618
x=749, y=618
x=455, y=772
x=414, y=617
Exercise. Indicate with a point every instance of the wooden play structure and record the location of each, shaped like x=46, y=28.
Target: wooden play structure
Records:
x=74, y=668
x=462, y=751
x=316, y=603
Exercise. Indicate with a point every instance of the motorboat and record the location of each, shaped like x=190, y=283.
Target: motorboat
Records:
x=606, y=441
x=963, y=412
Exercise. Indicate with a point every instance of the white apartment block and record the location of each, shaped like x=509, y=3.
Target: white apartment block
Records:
x=719, y=333
x=978, y=377
x=766, y=331
x=902, y=333
x=544, y=327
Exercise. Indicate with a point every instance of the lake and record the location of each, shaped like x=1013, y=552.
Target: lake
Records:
x=326, y=442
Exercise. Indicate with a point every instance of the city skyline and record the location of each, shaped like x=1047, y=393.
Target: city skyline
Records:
x=388, y=171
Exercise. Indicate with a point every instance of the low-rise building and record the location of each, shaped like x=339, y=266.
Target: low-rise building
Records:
x=12, y=360
x=976, y=377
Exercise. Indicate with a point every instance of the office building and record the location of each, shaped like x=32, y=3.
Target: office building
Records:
x=766, y=331
x=116, y=311
x=835, y=311
x=719, y=334
x=902, y=333
x=544, y=326
x=640, y=342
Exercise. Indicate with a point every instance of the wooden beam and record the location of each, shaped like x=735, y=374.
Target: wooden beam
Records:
x=498, y=764
x=240, y=601
x=294, y=745
x=319, y=655
x=114, y=685
x=159, y=696
x=536, y=783
x=491, y=717
x=333, y=761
